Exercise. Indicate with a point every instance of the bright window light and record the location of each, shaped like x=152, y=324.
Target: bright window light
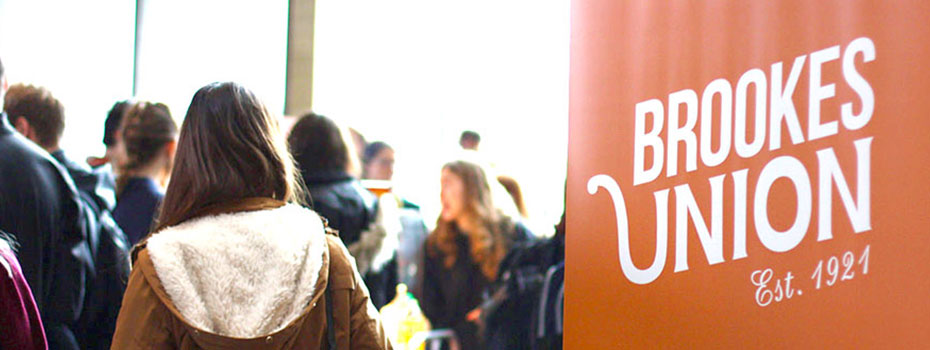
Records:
x=185, y=45
x=416, y=73
x=82, y=53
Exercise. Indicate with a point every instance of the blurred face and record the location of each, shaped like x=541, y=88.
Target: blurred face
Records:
x=452, y=196
x=469, y=144
x=116, y=152
x=382, y=166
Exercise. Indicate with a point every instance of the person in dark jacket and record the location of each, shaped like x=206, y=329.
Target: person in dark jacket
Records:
x=148, y=137
x=20, y=324
x=322, y=154
x=39, y=207
x=522, y=302
x=464, y=251
x=40, y=116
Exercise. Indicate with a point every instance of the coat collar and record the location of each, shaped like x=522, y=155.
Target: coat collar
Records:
x=145, y=266
x=325, y=177
x=6, y=127
x=242, y=205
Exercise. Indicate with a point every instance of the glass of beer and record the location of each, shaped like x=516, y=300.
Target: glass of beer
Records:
x=377, y=187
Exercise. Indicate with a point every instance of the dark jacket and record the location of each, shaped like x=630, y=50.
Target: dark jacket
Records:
x=109, y=248
x=151, y=319
x=512, y=312
x=39, y=206
x=136, y=208
x=342, y=200
x=351, y=209
x=410, y=249
x=449, y=294
x=20, y=324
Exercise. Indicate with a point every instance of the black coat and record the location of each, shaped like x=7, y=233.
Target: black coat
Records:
x=511, y=315
x=109, y=248
x=342, y=200
x=350, y=209
x=447, y=295
x=39, y=206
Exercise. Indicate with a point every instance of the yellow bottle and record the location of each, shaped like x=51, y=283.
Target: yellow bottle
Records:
x=402, y=318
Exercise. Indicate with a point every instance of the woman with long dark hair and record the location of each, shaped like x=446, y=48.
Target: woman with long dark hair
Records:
x=235, y=261
x=464, y=251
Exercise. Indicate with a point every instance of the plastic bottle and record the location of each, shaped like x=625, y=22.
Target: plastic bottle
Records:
x=403, y=318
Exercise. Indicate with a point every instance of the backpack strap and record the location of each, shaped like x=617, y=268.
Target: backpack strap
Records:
x=330, y=321
x=560, y=302
x=544, y=302
x=330, y=329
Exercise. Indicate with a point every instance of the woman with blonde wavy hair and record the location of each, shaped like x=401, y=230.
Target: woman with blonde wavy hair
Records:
x=464, y=251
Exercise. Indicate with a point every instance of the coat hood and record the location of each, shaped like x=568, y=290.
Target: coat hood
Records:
x=243, y=274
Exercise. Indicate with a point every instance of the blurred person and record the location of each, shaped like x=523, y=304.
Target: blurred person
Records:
x=20, y=324
x=147, y=140
x=378, y=162
x=39, y=207
x=106, y=166
x=525, y=302
x=235, y=262
x=323, y=154
x=469, y=140
x=464, y=251
x=111, y=137
x=40, y=116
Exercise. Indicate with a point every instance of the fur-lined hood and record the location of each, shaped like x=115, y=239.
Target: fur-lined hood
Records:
x=243, y=274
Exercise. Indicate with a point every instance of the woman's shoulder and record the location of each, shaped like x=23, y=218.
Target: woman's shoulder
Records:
x=341, y=264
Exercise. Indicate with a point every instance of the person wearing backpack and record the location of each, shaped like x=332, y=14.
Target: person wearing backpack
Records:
x=523, y=307
x=40, y=208
x=40, y=116
x=235, y=262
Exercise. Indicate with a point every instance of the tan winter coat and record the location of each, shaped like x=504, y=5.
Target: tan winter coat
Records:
x=252, y=276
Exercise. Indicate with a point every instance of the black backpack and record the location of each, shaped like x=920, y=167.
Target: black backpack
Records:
x=546, y=328
x=512, y=304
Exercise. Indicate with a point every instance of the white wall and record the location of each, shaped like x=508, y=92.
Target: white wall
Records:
x=415, y=73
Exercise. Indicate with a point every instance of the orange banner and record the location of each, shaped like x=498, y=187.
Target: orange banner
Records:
x=749, y=174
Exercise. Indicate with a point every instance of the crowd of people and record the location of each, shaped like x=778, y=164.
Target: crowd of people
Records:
x=230, y=232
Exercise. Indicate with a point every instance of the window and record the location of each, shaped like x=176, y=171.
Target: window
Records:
x=416, y=73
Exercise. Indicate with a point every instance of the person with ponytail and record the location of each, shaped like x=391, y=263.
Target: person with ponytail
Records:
x=147, y=145
x=464, y=251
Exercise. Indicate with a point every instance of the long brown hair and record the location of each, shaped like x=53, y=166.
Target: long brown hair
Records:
x=230, y=149
x=145, y=130
x=487, y=239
